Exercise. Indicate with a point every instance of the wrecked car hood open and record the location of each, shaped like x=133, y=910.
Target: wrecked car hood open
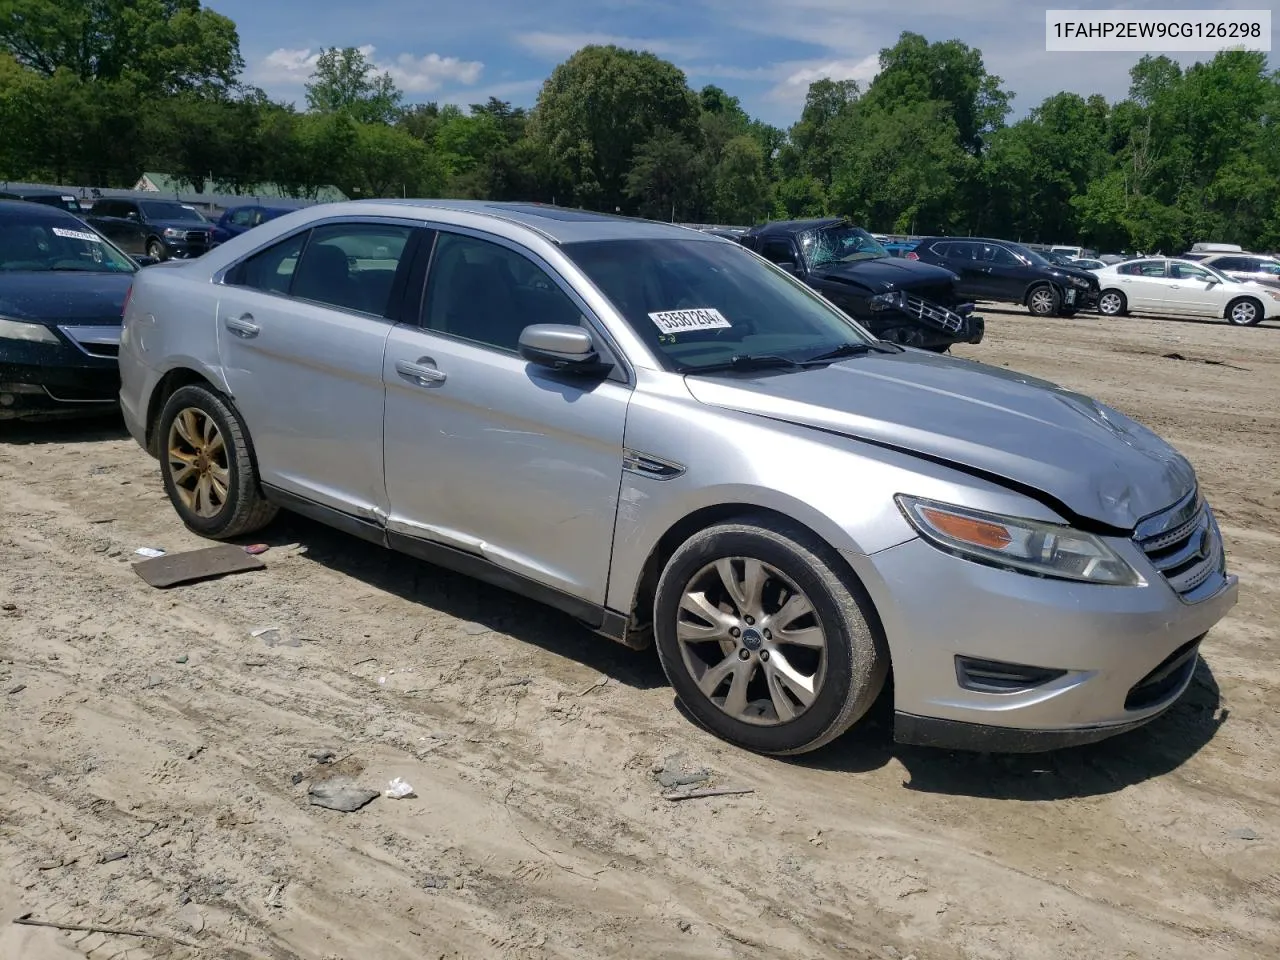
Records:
x=1028, y=432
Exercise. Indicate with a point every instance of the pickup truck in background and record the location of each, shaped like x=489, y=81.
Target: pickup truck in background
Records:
x=899, y=300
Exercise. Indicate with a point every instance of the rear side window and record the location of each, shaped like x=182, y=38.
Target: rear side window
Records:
x=270, y=270
x=351, y=265
x=1143, y=268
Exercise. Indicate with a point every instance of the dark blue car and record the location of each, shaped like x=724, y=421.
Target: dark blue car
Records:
x=236, y=220
x=62, y=293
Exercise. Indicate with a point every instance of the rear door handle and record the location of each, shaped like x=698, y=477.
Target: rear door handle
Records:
x=424, y=371
x=243, y=326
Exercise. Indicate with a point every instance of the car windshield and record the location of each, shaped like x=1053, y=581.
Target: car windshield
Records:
x=839, y=243
x=1026, y=253
x=700, y=304
x=171, y=210
x=54, y=245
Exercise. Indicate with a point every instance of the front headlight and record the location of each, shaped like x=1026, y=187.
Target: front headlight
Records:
x=30, y=332
x=173, y=233
x=885, y=301
x=1015, y=543
x=1273, y=294
x=1080, y=282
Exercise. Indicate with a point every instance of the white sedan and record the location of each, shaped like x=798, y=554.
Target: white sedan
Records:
x=1183, y=288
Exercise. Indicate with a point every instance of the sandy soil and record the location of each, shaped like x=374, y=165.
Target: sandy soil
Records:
x=153, y=724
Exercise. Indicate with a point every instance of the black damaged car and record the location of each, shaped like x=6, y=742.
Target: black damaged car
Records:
x=898, y=300
x=62, y=295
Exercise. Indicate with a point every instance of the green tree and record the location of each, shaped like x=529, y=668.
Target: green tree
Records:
x=599, y=107
x=160, y=45
x=345, y=81
x=662, y=182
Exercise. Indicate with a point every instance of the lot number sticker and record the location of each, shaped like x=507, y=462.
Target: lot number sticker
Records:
x=76, y=235
x=683, y=321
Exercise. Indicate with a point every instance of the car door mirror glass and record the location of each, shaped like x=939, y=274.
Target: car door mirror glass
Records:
x=790, y=266
x=559, y=346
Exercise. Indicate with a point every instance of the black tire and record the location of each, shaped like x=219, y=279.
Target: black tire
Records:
x=1043, y=300
x=1068, y=311
x=1112, y=303
x=244, y=508
x=156, y=251
x=1244, y=312
x=856, y=658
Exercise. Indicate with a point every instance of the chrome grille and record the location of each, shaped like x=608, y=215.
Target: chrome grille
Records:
x=197, y=236
x=933, y=314
x=1185, y=545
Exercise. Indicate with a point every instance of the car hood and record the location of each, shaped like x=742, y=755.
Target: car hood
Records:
x=1080, y=272
x=61, y=297
x=887, y=273
x=1089, y=460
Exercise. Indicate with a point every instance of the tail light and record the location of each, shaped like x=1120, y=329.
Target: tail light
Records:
x=911, y=255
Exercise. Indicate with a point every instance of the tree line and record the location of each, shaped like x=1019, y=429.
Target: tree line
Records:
x=94, y=92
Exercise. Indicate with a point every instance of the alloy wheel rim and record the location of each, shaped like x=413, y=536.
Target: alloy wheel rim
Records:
x=752, y=641
x=1110, y=303
x=1041, y=301
x=198, y=462
x=1242, y=313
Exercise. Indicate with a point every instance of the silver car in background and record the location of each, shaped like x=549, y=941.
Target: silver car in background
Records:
x=662, y=434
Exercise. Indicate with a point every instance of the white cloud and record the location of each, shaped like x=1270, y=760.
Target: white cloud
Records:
x=557, y=46
x=518, y=91
x=291, y=68
x=795, y=85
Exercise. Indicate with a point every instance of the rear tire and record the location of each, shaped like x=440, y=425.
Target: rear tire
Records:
x=206, y=462
x=1043, y=300
x=156, y=251
x=1112, y=303
x=805, y=663
x=1244, y=312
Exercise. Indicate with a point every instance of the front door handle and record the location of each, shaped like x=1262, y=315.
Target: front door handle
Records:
x=424, y=372
x=243, y=326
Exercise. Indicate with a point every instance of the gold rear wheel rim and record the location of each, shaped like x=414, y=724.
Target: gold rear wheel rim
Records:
x=198, y=462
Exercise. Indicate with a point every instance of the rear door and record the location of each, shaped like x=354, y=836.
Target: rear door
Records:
x=488, y=454
x=302, y=326
x=963, y=258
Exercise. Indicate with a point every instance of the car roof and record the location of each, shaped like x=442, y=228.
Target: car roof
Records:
x=793, y=226
x=35, y=211
x=558, y=224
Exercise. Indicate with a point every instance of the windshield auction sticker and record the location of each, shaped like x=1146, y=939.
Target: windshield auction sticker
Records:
x=683, y=321
x=76, y=235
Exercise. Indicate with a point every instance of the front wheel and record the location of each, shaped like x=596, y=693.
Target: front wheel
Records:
x=1043, y=301
x=1245, y=312
x=155, y=250
x=207, y=466
x=1112, y=303
x=766, y=641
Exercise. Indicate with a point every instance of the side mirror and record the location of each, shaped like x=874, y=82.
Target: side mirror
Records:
x=791, y=268
x=560, y=347
x=144, y=261
x=1214, y=281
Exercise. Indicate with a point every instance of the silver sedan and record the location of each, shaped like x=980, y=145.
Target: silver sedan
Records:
x=661, y=433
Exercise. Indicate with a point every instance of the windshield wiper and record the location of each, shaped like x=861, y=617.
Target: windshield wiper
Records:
x=850, y=350
x=749, y=361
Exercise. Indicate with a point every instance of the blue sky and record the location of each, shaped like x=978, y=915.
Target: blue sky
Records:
x=764, y=51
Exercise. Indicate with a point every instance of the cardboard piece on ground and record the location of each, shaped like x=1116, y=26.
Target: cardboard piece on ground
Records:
x=175, y=568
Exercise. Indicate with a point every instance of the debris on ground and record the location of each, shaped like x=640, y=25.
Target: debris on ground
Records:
x=602, y=681
x=1243, y=833
x=715, y=792
x=154, y=680
x=172, y=569
x=16, y=688
x=323, y=756
x=112, y=856
x=672, y=775
x=256, y=549
x=398, y=789
x=150, y=552
x=473, y=629
x=341, y=795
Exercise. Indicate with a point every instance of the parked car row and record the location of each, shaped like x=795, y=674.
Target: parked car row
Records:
x=711, y=459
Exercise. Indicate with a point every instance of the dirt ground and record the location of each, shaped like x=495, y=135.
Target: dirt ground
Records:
x=155, y=755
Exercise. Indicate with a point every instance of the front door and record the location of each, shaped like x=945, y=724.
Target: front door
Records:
x=1004, y=275
x=302, y=326
x=490, y=454
x=1195, y=291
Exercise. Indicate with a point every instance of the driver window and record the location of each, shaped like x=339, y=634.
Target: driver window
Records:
x=778, y=251
x=487, y=293
x=1185, y=271
x=999, y=256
